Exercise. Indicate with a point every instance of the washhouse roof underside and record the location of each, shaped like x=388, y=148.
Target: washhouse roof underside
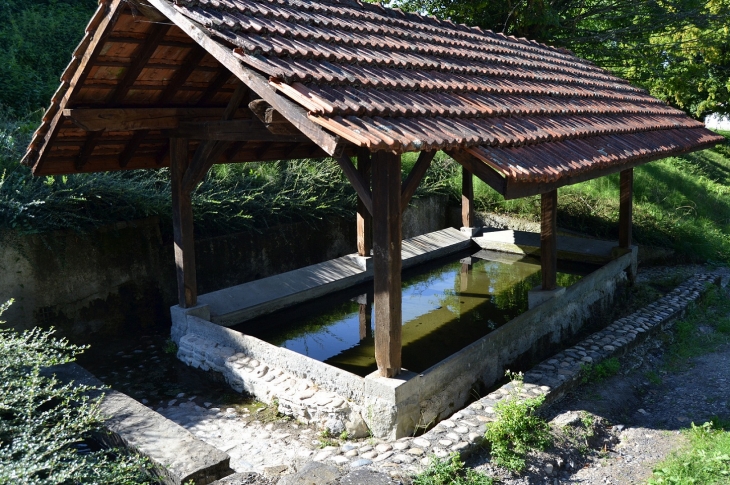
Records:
x=279, y=79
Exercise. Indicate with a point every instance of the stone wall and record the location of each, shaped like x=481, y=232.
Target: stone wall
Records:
x=121, y=278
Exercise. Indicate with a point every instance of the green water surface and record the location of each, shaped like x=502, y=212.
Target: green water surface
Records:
x=445, y=308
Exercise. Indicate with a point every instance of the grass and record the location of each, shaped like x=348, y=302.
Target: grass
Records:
x=706, y=459
x=601, y=371
x=450, y=471
x=705, y=327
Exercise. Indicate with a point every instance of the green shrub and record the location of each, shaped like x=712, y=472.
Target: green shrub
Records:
x=450, y=472
x=705, y=461
x=517, y=429
x=44, y=423
x=601, y=371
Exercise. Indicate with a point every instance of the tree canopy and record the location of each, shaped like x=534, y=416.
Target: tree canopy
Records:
x=677, y=49
x=37, y=38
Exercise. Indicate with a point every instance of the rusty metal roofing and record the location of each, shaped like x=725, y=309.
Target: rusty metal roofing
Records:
x=383, y=79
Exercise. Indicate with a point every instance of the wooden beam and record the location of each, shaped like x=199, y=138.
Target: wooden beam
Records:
x=131, y=147
x=236, y=100
x=549, y=240
x=189, y=64
x=297, y=116
x=387, y=261
x=265, y=112
x=205, y=156
x=182, y=223
x=467, y=198
x=209, y=152
x=132, y=119
x=359, y=184
x=414, y=178
x=86, y=150
x=626, y=207
x=477, y=167
x=364, y=218
x=234, y=130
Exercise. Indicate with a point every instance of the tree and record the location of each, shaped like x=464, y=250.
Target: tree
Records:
x=677, y=49
x=37, y=38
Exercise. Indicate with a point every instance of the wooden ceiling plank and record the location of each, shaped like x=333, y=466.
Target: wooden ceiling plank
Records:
x=146, y=50
x=189, y=64
x=296, y=115
x=155, y=35
x=215, y=86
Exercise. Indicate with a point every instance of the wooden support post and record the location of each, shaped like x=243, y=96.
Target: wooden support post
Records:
x=364, y=219
x=387, y=261
x=467, y=198
x=182, y=221
x=626, y=207
x=549, y=240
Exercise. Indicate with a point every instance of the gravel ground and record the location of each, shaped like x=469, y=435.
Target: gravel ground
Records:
x=615, y=431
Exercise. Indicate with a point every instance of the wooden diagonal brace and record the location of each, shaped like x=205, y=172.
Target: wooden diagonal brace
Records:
x=414, y=178
x=359, y=184
x=209, y=152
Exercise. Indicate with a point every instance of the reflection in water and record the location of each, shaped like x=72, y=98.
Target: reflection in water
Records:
x=444, y=310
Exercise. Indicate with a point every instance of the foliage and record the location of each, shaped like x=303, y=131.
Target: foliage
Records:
x=37, y=38
x=44, y=424
x=450, y=471
x=678, y=49
x=517, y=429
x=601, y=371
x=706, y=460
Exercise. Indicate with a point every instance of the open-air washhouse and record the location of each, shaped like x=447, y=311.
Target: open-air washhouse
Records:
x=192, y=83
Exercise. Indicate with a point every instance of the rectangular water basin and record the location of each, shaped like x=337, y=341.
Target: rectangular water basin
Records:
x=447, y=305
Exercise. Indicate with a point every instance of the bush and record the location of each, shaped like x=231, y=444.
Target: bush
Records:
x=46, y=427
x=450, y=472
x=600, y=372
x=517, y=429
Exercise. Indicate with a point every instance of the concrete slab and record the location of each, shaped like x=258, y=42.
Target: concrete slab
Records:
x=179, y=456
x=237, y=304
x=570, y=248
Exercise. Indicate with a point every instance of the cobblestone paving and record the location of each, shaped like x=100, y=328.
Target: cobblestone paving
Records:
x=276, y=447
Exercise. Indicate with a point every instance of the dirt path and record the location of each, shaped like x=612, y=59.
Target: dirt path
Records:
x=615, y=431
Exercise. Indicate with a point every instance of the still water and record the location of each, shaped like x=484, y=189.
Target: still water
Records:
x=446, y=306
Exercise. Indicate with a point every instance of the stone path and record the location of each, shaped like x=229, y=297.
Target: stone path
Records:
x=282, y=447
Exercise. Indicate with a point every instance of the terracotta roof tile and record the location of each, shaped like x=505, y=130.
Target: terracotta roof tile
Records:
x=388, y=80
